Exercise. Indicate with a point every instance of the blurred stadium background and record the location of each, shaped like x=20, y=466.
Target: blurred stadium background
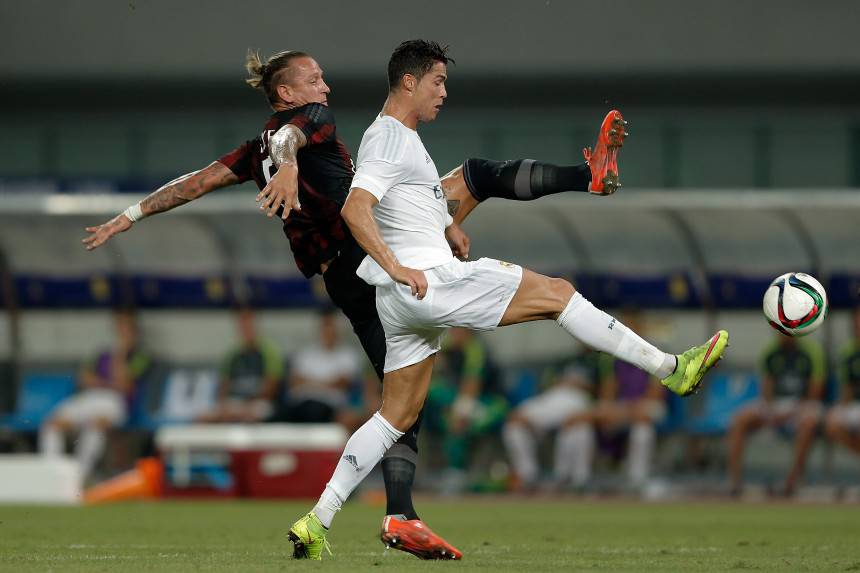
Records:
x=743, y=163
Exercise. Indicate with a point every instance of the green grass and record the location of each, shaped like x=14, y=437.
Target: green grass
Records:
x=497, y=534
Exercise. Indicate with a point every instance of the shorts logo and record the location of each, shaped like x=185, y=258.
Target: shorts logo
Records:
x=352, y=460
x=611, y=324
x=507, y=264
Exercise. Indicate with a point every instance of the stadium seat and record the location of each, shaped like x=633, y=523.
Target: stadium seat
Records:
x=40, y=392
x=724, y=394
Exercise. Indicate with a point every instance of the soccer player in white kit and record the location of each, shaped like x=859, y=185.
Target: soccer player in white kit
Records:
x=397, y=212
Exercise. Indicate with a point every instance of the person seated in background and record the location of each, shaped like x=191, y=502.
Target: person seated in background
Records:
x=631, y=402
x=250, y=375
x=843, y=421
x=322, y=380
x=793, y=374
x=464, y=402
x=107, y=387
x=565, y=406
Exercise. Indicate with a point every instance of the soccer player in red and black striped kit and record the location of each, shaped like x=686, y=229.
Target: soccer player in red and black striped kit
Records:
x=304, y=172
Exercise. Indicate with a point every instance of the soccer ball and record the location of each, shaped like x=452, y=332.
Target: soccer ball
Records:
x=795, y=304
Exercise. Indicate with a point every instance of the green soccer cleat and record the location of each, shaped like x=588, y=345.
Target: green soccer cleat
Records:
x=308, y=537
x=694, y=363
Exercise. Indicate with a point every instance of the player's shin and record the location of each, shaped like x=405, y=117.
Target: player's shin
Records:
x=522, y=179
x=600, y=331
x=362, y=452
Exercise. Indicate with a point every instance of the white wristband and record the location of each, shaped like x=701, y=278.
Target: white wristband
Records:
x=134, y=213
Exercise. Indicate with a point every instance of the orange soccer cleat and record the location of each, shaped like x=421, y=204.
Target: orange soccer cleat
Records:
x=603, y=159
x=412, y=536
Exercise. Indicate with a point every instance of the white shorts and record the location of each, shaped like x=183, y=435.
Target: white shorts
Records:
x=471, y=294
x=847, y=415
x=549, y=410
x=93, y=404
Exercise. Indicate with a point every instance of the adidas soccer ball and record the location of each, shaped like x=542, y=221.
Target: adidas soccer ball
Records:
x=795, y=304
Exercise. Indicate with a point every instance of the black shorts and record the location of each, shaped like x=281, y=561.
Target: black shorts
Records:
x=357, y=300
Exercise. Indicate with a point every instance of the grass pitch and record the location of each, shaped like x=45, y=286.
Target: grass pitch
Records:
x=497, y=534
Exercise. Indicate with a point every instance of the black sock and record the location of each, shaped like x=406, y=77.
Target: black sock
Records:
x=522, y=179
x=399, y=473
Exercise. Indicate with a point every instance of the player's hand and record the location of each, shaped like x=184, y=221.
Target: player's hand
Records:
x=282, y=189
x=101, y=234
x=414, y=278
x=458, y=240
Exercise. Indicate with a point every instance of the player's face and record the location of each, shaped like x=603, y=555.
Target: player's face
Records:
x=430, y=93
x=306, y=83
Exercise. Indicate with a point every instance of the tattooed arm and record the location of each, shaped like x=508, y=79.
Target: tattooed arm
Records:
x=173, y=194
x=283, y=188
x=187, y=188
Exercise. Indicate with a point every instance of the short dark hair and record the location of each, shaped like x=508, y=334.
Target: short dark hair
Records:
x=415, y=57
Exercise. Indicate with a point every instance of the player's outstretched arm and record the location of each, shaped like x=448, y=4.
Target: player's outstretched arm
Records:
x=283, y=188
x=358, y=213
x=173, y=194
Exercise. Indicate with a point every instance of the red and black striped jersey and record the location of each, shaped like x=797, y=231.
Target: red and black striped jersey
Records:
x=317, y=232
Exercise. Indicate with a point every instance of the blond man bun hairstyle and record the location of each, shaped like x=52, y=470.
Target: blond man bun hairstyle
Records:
x=267, y=76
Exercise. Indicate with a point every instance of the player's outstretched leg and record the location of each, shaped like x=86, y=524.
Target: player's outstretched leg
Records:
x=413, y=536
x=540, y=297
x=477, y=179
x=603, y=159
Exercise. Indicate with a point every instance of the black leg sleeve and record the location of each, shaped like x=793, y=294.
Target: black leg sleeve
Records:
x=522, y=179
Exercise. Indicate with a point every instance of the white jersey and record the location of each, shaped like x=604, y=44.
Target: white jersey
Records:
x=412, y=212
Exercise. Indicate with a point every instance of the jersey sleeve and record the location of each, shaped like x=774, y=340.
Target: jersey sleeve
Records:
x=381, y=163
x=239, y=161
x=317, y=123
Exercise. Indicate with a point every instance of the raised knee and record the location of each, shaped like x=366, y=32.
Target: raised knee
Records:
x=562, y=288
x=560, y=291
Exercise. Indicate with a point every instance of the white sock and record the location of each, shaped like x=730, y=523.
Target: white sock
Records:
x=360, y=455
x=520, y=444
x=91, y=445
x=642, y=438
x=50, y=441
x=574, y=451
x=600, y=331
